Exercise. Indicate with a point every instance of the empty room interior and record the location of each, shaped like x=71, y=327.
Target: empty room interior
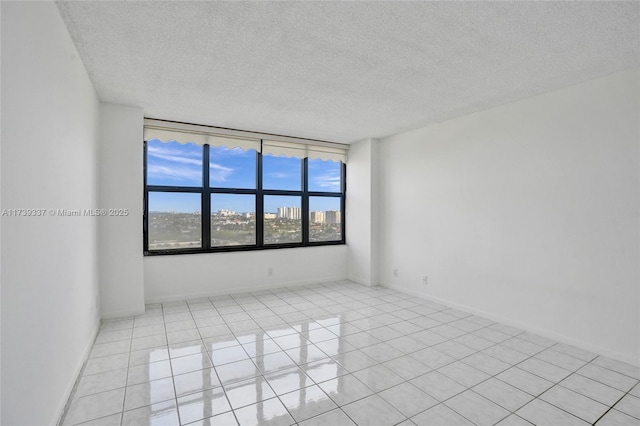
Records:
x=320, y=213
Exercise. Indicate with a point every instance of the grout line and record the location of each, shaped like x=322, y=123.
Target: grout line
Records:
x=166, y=335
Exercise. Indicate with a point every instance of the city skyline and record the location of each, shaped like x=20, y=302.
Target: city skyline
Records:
x=227, y=212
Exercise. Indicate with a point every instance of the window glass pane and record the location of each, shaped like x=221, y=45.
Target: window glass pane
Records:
x=324, y=176
x=233, y=220
x=174, y=164
x=282, y=219
x=325, y=219
x=232, y=168
x=281, y=173
x=174, y=221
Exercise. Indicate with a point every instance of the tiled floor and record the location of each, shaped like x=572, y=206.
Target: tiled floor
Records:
x=340, y=354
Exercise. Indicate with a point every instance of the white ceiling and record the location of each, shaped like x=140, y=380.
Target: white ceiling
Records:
x=343, y=71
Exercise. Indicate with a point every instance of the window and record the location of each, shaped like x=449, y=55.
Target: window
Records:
x=208, y=192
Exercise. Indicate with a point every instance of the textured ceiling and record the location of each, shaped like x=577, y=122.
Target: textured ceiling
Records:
x=343, y=71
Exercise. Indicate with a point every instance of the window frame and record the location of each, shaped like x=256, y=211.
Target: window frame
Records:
x=206, y=191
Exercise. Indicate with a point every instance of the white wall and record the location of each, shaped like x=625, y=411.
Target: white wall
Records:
x=528, y=212
x=49, y=264
x=184, y=276
x=121, y=187
x=362, y=212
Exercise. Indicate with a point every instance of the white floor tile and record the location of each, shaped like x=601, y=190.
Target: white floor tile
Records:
x=270, y=412
x=148, y=372
x=148, y=393
x=373, y=410
x=544, y=369
x=378, y=377
x=307, y=402
x=592, y=389
x=513, y=420
x=474, y=407
x=525, y=381
x=163, y=413
x=561, y=360
x=539, y=412
x=107, y=363
x=186, y=364
x=432, y=358
x=196, y=381
x=629, y=405
x=202, y=405
x=438, y=385
x=440, y=415
x=113, y=348
x=339, y=353
x=345, y=389
x=408, y=399
x=288, y=380
x=407, y=367
x=618, y=366
x=486, y=363
x=354, y=361
x=580, y=406
x=332, y=418
x=503, y=394
x=100, y=382
x=463, y=374
x=608, y=377
x=616, y=418
x=248, y=392
x=94, y=406
x=635, y=391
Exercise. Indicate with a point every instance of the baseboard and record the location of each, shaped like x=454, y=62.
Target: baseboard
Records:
x=598, y=350
x=232, y=290
x=122, y=314
x=363, y=281
x=359, y=280
x=78, y=369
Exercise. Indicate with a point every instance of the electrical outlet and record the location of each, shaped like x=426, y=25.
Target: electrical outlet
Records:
x=395, y=273
x=424, y=279
x=269, y=272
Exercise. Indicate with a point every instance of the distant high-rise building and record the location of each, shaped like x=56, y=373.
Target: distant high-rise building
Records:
x=332, y=216
x=316, y=217
x=293, y=213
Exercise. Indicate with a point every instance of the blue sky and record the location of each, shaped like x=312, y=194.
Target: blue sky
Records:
x=174, y=164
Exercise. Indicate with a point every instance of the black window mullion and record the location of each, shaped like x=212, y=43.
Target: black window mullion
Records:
x=259, y=202
x=186, y=189
x=305, y=201
x=145, y=207
x=232, y=191
x=206, y=201
x=343, y=196
x=282, y=192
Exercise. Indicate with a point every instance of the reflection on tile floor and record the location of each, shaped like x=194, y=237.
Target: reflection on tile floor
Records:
x=340, y=354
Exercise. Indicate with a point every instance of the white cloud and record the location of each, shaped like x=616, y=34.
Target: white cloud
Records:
x=330, y=181
x=175, y=173
x=185, y=166
x=279, y=175
x=219, y=173
x=175, y=156
x=232, y=152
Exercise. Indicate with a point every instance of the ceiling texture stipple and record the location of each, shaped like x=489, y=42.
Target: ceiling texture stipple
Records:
x=343, y=71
